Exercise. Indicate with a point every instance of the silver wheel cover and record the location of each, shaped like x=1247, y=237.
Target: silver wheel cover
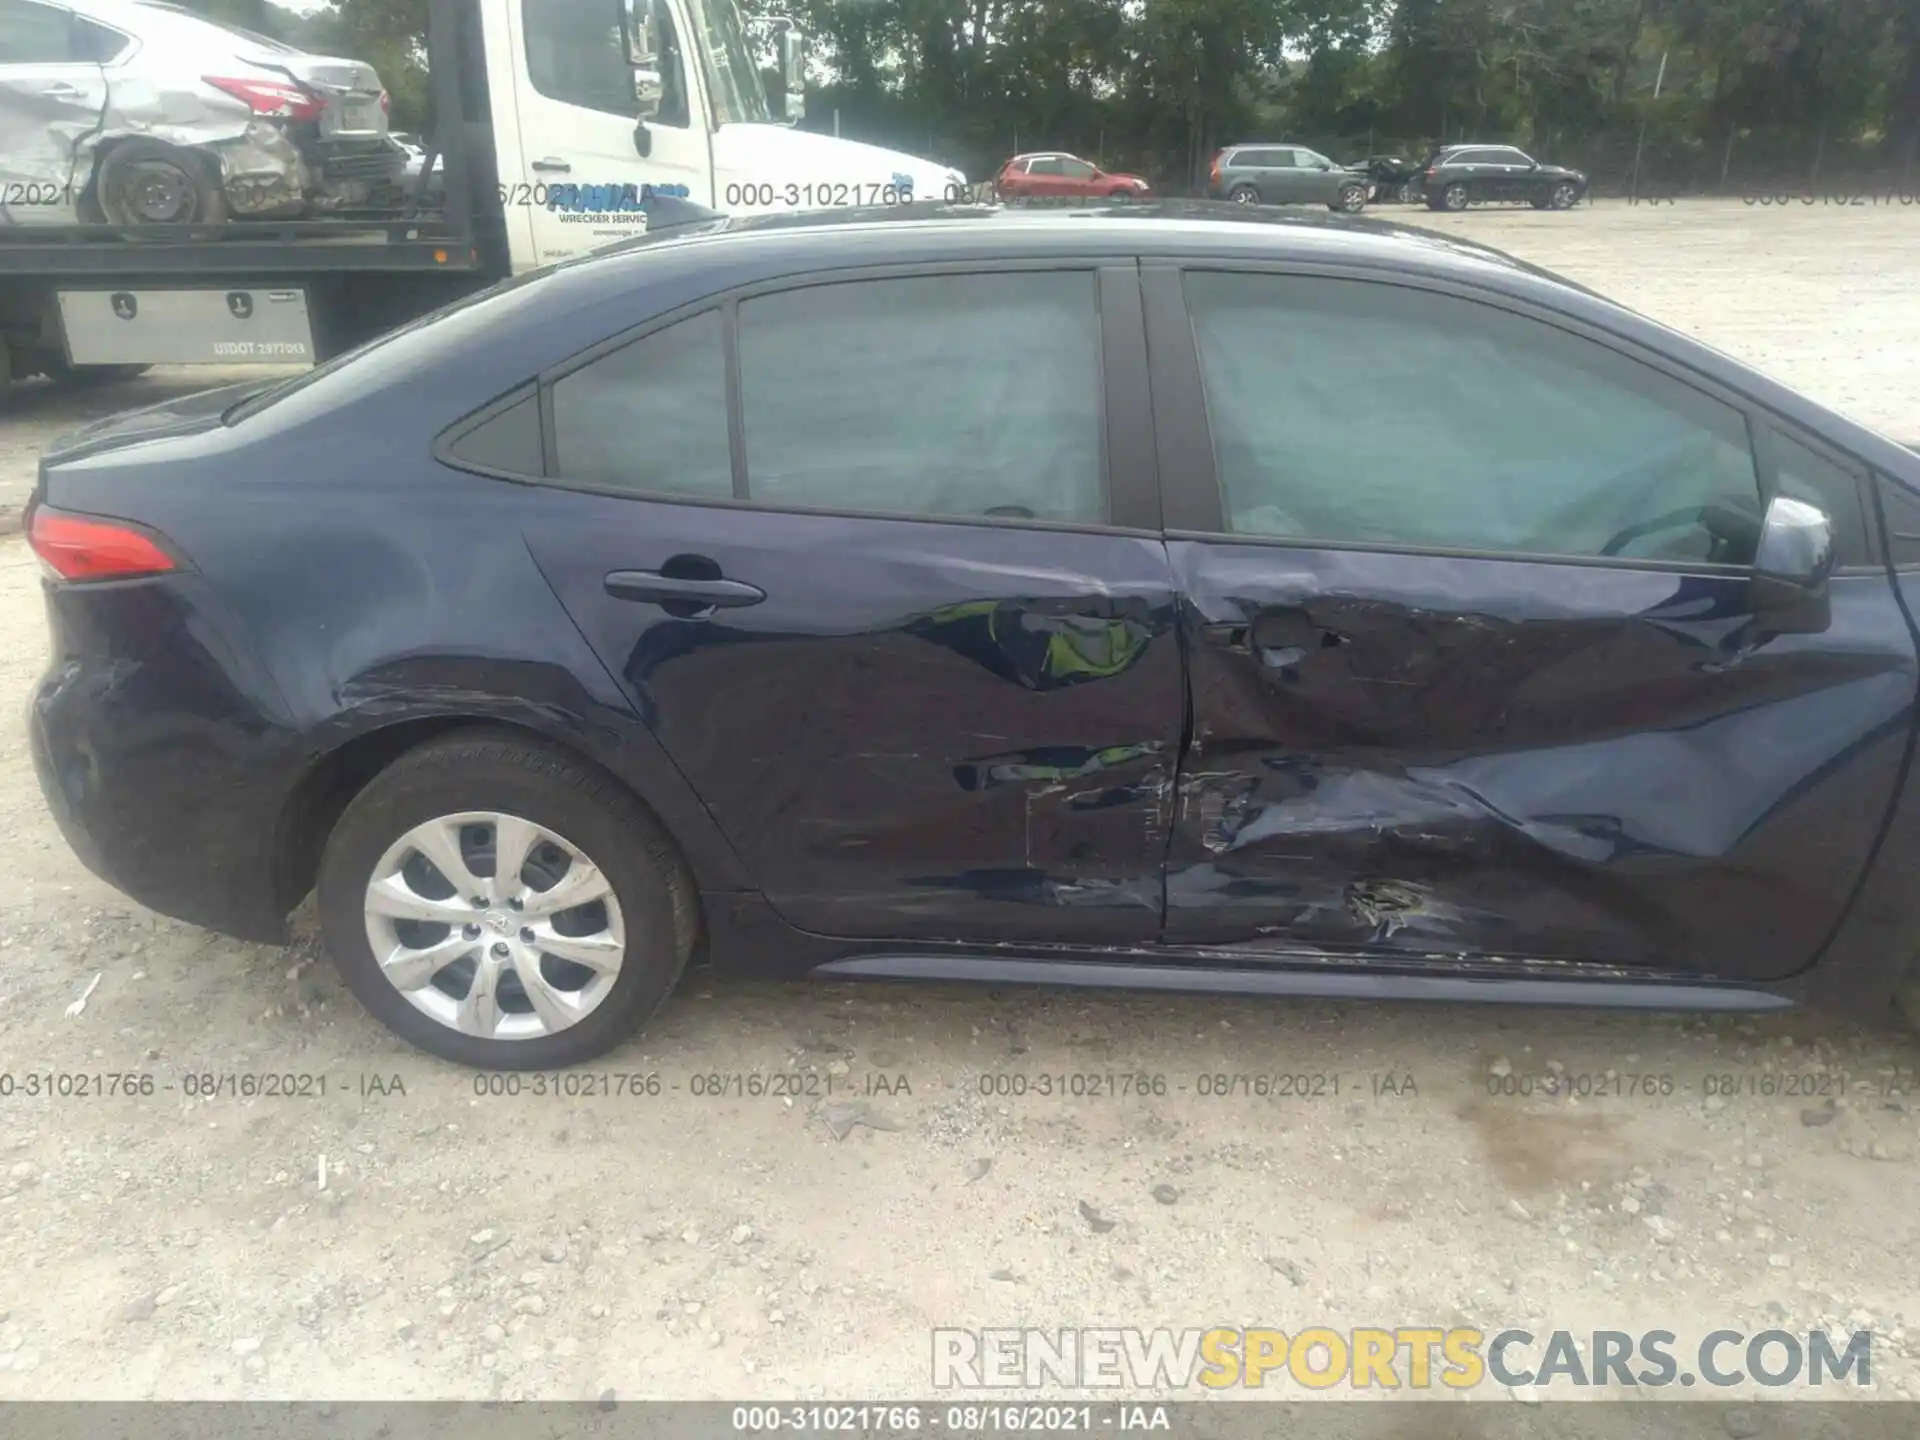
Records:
x=494, y=926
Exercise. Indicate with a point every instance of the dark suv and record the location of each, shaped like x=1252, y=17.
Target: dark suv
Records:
x=1457, y=176
x=1286, y=175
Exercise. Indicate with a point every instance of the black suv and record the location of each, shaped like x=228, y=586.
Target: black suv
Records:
x=1456, y=176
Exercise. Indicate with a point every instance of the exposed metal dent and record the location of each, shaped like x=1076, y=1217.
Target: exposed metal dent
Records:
x=1053, y=763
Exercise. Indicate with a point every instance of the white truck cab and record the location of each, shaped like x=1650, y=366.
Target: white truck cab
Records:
x=595, y=99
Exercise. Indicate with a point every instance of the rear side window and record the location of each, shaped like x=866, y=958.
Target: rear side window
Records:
x=955, y=395
x=965, y=396
x=651, y=416
x=96, y=44
x=1355, y=412
x=506, y=443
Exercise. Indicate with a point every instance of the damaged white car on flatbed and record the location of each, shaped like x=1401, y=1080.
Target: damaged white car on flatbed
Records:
x=139, y=112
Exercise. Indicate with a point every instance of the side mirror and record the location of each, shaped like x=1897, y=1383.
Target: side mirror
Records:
x=643, y=58
x=648, y=93
x=1791, y=566
x=793, y=71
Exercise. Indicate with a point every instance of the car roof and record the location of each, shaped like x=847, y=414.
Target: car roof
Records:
x=935, y=230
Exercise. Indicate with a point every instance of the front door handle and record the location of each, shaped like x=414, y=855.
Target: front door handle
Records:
x=651, y=587
x=553, y=167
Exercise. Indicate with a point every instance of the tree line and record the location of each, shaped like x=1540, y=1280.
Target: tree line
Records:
x=1658, y=94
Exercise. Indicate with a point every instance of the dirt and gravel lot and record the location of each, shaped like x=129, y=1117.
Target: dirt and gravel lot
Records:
x=401, y=1235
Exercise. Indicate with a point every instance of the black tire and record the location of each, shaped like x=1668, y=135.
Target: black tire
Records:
x=1351, y=200
x=1563, y=196
x=1454, y=197
x=138, y=177
x=504, y=771
x=1244, y=195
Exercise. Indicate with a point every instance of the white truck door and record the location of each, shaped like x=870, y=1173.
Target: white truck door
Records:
x=52, y=93
x=575, y=81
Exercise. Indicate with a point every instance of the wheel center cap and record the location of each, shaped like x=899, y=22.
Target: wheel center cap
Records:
x=500, y=922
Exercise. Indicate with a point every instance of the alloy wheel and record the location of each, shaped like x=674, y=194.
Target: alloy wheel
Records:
x=494, y=926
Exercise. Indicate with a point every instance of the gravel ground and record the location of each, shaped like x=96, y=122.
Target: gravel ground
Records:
x=402, y=1235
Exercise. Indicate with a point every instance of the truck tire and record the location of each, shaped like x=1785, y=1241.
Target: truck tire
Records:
x=101, y=374
x=61, y=373
x=146, y=182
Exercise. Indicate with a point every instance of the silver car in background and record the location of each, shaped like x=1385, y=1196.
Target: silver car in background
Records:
x=139, y=112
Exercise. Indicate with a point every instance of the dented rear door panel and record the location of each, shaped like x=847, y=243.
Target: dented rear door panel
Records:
x=925, y=731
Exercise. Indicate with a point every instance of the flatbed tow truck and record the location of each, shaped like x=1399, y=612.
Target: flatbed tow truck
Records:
x=549, y=140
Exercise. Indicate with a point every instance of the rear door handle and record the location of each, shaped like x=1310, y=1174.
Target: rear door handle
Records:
x=651, y=587
x=553, y=167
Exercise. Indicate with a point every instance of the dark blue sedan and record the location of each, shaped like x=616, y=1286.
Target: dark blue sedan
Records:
x=1152, y=598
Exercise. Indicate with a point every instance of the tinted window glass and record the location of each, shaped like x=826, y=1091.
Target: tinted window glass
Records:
x=1077, y=170
x=651, y=416
x=96, y=43
x=1801, y=473
x=935, y=395
x=508, y=442
x=1257, y=159
x=1378, y=414
x=1046, y=165
x=33, y=34
x=1902, y=509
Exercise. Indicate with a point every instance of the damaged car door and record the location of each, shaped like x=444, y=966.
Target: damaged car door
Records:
x=52, y=96
x=1490, y=659
x=878, y=563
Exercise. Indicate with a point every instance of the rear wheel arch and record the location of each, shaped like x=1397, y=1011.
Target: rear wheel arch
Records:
x=314, y=808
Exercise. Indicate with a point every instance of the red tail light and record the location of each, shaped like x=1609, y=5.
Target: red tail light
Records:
x=386, y=103
x=73, y=547
x=1213, y=170
x=270, y=97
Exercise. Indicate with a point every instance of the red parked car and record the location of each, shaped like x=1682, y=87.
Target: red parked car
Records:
x=1054, y=173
